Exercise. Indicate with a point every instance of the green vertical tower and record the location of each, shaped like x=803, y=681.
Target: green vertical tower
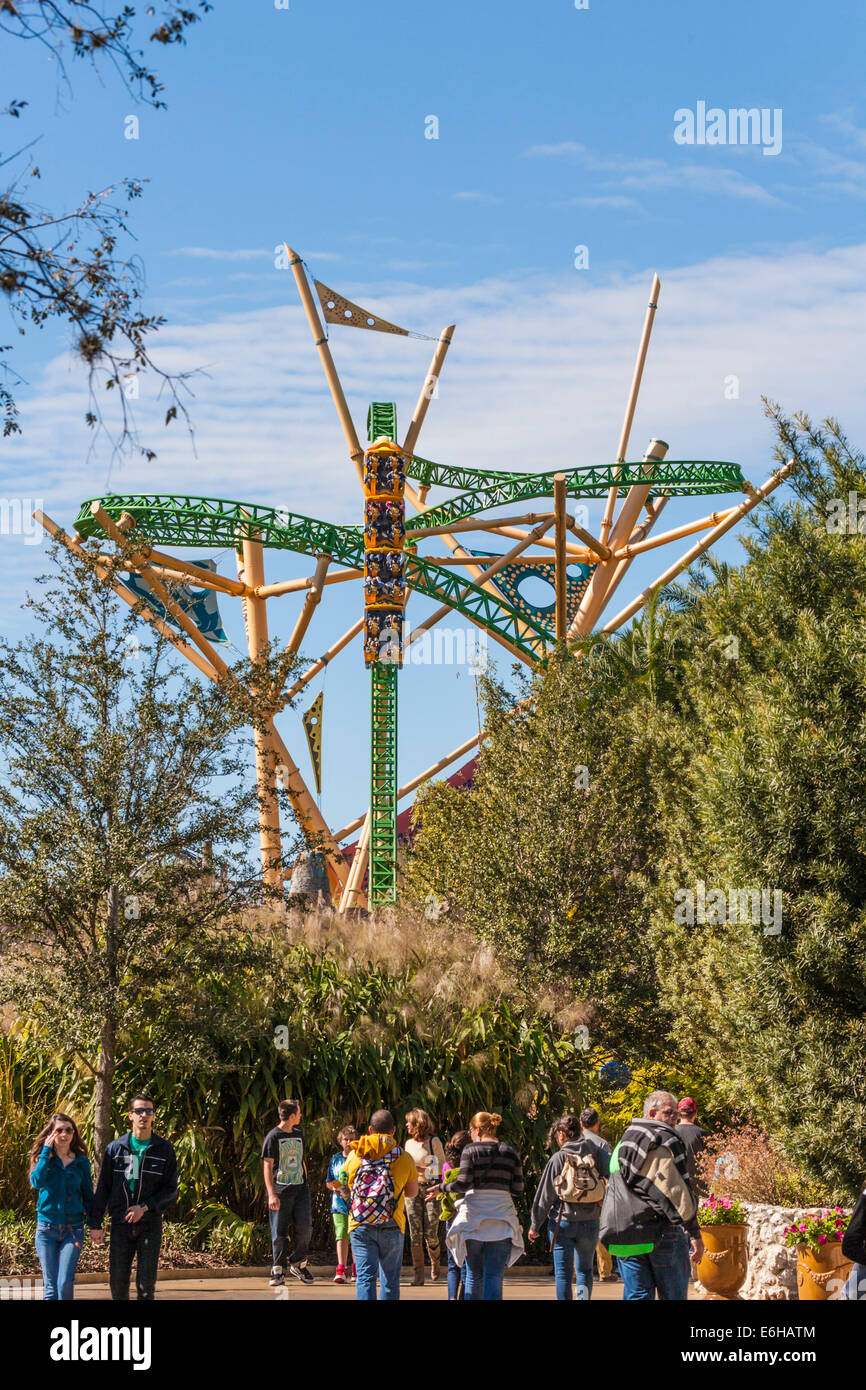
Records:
x=383, y=784
x=382, y=882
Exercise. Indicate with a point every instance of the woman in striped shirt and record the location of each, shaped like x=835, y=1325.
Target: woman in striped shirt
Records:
x=485, y=1234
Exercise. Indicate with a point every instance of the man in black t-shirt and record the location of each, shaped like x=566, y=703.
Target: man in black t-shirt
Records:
x=285, y=1173
x=693, y=1136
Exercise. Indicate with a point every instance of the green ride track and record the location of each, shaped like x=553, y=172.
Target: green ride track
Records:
x=193, y=522
x=197, y=522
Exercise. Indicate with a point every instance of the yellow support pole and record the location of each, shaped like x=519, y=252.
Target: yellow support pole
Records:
x=255, y=612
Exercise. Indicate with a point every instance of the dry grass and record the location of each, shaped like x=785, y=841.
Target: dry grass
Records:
x=446, y=962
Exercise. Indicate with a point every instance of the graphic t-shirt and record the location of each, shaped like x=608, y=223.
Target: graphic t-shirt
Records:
x=135, y=1158
x=287, y=1152
x=335, y=1168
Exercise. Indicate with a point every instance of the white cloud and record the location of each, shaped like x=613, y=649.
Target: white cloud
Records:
x=565, y=148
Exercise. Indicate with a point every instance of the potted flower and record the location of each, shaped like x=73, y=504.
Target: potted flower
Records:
x=724, y=1264
x=821, y=1267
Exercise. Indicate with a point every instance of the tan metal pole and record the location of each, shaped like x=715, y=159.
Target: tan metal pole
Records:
x=356, y=453
x=353, y=895
x=604, y=575
x=294, y=586
x=677, y=533
x=255, y=609
x=310, y=604
x=631, y=403
x=427, y=390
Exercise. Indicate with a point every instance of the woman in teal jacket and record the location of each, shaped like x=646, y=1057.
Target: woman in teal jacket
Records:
x=60, y=1172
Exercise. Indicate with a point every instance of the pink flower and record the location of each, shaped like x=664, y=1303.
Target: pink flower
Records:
x=822, y=1240
x=802, y=1225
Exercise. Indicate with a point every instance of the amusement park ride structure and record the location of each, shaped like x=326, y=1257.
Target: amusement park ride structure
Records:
x=384, y=555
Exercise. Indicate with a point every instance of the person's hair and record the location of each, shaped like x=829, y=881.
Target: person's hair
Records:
x=347, y=1129
x=422, y=1122
x=287, y=1108
x=589, y=1117
x=76, y=1144
x=486, y=1122
x=382, y=1122
x=142, y=1095
x=567, y=1125
x=654, y=1099
x=456, y=1144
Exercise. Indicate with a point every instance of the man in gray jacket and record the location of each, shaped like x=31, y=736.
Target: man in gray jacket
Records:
x=572, y=1226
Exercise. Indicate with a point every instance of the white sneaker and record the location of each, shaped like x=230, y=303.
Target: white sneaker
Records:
x=276, y=1277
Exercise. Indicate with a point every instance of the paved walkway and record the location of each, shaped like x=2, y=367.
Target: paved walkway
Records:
x=254, y=1288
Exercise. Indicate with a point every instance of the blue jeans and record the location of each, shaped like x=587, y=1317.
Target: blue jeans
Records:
x=485, y=1267
x=663, y=1273
x=855, y=1288
x=572, y=1253
x=58, y=1248
x=456, y=1272
x=378, y=1250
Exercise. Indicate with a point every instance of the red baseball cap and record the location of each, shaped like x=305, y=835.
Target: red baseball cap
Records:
x=687, y=1106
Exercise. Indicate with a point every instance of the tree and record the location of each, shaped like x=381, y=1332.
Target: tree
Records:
x=770, y=796
x=65, y=264
x=124, y=812
x=541, y=859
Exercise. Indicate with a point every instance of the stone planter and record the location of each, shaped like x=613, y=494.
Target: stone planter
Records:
x=821, y=1275
x=723, y=1267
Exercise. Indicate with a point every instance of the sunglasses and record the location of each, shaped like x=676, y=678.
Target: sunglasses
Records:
x=141, y=1110
x=63, y=1130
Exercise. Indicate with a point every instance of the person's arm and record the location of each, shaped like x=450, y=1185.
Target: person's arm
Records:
x=268, y=1175
x=39, y=1174
x=87, y=1193
x=103, y=1191
x=166, y=1193
x=543, y=1200
x=466, y=1175
x=518, y=1185
x=410, y=1187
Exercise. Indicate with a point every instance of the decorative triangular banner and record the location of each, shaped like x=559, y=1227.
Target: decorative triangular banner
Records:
x=312, y=722
x=199, y=604
x=509, y=579
x=338, y=309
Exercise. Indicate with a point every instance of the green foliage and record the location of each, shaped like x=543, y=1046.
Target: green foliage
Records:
x=770, y=795
x=542, y=860
x=121, y=810
x=397, y=1017
x=817, y=1232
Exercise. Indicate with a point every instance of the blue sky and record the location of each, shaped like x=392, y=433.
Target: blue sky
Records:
x=555, y=129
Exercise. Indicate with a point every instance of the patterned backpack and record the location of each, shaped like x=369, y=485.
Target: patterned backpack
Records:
x=374, y=1199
